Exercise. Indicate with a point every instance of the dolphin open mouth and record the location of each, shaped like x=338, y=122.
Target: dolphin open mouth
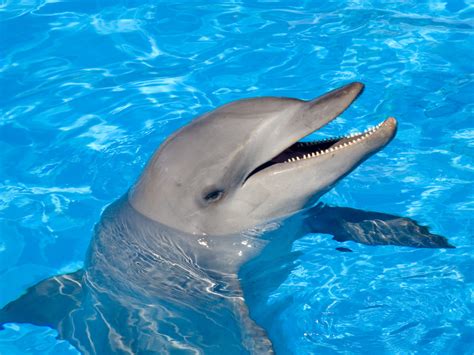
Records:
x=301, y=151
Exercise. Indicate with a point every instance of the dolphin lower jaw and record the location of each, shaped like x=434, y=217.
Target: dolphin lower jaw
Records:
x=374, y=138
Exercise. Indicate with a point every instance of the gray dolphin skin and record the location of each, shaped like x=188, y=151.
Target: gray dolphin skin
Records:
x=238, y=173
x=163, y=273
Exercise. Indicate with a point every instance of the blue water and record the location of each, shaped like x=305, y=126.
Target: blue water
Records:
x=88, y=90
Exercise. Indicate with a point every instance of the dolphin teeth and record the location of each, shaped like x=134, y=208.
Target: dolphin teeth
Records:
x=351, y=139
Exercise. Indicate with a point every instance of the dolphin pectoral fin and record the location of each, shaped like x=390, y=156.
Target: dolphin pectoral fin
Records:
x=372, y=228
x=47, y=303
x=254, y=337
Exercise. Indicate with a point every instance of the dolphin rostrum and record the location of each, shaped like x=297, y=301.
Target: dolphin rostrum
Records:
x=162, y=271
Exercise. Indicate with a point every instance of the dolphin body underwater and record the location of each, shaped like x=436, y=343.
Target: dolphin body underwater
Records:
x=162, y=271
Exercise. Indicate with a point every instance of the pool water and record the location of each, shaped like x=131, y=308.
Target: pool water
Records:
x=88, y=90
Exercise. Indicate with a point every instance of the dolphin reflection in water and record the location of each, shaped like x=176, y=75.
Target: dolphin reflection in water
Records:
x=162, y=271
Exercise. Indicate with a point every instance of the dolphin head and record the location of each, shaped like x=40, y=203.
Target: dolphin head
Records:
x=242, y=164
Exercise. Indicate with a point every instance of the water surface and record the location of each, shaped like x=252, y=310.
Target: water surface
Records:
x=88, y=89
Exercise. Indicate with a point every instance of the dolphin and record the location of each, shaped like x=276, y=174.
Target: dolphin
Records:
x=161, y=274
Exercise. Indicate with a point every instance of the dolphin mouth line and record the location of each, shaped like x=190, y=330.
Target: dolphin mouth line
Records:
x=313, y=149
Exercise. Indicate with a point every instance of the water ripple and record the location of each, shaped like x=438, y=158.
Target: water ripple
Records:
x=89, y=89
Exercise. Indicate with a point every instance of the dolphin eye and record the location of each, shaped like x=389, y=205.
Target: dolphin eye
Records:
x=213, y=196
